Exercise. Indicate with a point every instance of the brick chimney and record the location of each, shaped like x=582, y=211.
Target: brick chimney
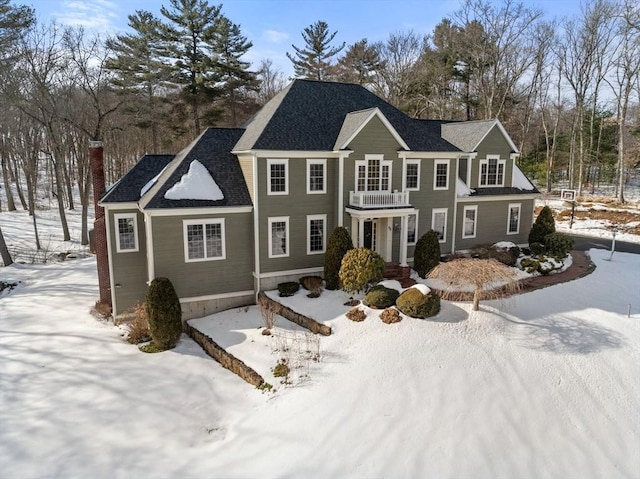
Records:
x=99, y=227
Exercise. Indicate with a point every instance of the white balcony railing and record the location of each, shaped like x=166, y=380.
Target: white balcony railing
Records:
x=379, y=199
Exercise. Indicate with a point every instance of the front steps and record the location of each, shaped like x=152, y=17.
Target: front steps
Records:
x=402, y=274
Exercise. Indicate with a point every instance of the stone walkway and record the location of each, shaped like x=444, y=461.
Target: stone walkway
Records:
x=580, y=267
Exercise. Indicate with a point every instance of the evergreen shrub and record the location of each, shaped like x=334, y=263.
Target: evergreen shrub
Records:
x=164, y=313
x=381, y=297
x=558, y=244
x=427, y=253
x=360, y=267
x=543, y=226
x=338, y=244
x=537, y=248
x=288, y=288
x=417, y=305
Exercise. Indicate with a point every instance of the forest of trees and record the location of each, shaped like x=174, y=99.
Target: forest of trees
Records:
x=567, y=90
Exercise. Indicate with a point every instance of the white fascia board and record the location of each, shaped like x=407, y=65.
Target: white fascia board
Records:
x=512, y=198
x=287, y=153
x=376, y=112
x=235, y=294
x=442, y=155
x=290, y=272
x=119, y=206
x=380, y=213
x=213, y=210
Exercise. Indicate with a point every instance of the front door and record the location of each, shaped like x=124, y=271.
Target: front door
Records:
x=370, y=232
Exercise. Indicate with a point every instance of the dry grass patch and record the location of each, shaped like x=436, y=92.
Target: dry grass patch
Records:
x=356, y=314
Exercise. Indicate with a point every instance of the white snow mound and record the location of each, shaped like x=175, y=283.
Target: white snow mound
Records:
x=423, y=288
x=196, y=184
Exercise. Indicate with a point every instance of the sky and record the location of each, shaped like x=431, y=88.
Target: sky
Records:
x=274, y=25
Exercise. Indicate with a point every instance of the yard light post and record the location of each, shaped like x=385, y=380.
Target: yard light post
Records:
x=613, y=243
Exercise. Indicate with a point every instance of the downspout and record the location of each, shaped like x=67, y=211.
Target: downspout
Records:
x=455, y=202
x=114, y=306
x=341, y=189
x=148, y=230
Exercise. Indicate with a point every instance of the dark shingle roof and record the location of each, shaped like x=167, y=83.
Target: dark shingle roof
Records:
x=310, y=114
x=127, y=189
x=498, y=191
x=213, y=150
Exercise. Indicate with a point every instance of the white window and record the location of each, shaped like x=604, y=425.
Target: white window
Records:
x=373, y=174
x=126, y=232
x=412, y=228
x=469, y=221
x=513, y=221
x=278, y=177
x=412, y=175
x=316, y=176
x=441, y=175
x=492, y=171
x=316, y=233
x=279, y=237
x=439, y=223
x=204, y=240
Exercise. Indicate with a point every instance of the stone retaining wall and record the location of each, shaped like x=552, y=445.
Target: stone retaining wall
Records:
x=308, y=323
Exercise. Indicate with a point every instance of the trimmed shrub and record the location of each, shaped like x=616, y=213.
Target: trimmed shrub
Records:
x=508, y=256
x=417, y=305
x=530, y=265
x=337, y=246
x=390, y=316
x=356, y=314
x=543, y=226
x=537, y=248
x=381, y=297
x=164, y=313
x=311, y=283
x=427, y=253
x=558, y=244
x=360, y=267
x=288, y=288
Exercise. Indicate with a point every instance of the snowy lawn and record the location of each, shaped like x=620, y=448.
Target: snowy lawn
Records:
x=544, y=384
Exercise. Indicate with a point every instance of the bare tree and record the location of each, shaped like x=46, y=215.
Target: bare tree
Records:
x=272, y=81
x=4, y=251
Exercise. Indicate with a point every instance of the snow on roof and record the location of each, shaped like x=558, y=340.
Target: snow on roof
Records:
x=196, y=184
x=151, y=182
x=462, y=189
x=520, y=181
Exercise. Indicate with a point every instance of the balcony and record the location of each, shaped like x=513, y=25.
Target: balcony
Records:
x=379, y=199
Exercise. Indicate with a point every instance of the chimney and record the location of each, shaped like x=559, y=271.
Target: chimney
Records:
x=99, y=227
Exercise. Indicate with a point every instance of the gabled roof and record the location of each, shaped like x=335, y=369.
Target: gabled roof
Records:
x=467, y=135
x=213, y=150
x=309, y=115
x=354, y=123
x=127, y=189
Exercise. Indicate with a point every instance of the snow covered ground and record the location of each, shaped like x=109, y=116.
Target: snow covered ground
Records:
x=541, y=385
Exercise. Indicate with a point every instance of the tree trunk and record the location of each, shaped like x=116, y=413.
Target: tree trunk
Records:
x=4, y=251
x=57, y=166
x=476, y=299
x=11, y=205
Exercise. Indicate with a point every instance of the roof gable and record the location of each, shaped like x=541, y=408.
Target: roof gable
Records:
x=468, y=135
x=128, y=188
x=355, y=122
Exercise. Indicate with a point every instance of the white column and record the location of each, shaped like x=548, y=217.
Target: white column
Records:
x=403, y=240
x=340, y=189
x=360, y=233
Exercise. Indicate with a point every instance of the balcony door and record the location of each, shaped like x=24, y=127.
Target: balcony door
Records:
x=373, y=174
x=369, y=237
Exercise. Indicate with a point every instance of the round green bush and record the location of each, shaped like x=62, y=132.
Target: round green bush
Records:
x=164, y=313
x=427, y=253
x=359, y=268
x=381, y=297
x=337, y=246
x=288, y=288
x=543, y=226
x=558, y=244
x=537, y=248
x=417, y=305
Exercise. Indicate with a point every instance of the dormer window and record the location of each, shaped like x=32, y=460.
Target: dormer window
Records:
x=492, y=171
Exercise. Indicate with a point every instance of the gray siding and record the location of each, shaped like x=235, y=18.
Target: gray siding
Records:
x=204, y=278
x=130, y=268
x=297, y=204
x=493, y=144
x=491, y=223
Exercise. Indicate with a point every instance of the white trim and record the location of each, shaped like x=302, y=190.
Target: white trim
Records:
x=278, y=161
x=481, y=199
x=203, y=222
x=119, y=216
x=317, y=161
x=289, y=272
x=131, y=205
x=213, y=210
x=256, y=223
x=376, y=112
x=107, y=225
x=382, y=213
x=435, y=211
x=415, y=161
x=415, y=236
x=278, y=219
x=235, y=294
x=341, y=190
x=433, y=155
x=475, y=221
x=514, y=205
x=365, y=163
x=499, y=162
x=435, y=176
x=290, y=153
x=324, y=233
x=151, y=264
x=504, y=133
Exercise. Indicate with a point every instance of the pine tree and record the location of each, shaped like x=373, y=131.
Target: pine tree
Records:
x=359, y=64
x=427, y=253
x=14, y=20
x=235, y=76
x=189, y=38
x=139, y=71
x=314, y=60
x=543, y=226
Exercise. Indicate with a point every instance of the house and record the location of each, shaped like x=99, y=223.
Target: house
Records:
x=241, y=209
